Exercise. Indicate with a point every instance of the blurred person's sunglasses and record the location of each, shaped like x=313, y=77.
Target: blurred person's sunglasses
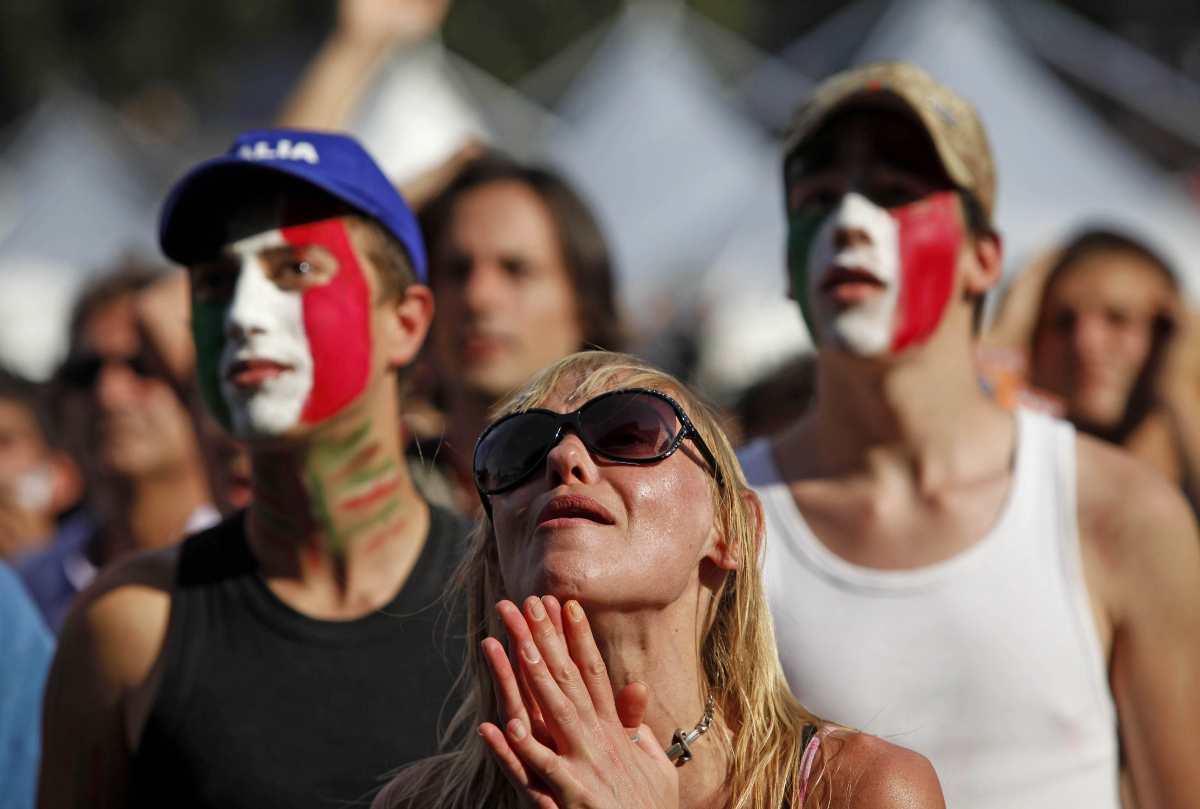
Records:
x=630, y=426
x=80, y=372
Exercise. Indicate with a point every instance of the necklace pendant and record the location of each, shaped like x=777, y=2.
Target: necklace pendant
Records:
x=680, y=751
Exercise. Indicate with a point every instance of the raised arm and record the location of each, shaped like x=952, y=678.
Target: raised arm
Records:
x=1150, y=552
x=96, y=695
x=365, y=33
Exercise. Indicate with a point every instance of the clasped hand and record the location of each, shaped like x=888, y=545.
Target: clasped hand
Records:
x=568, y=741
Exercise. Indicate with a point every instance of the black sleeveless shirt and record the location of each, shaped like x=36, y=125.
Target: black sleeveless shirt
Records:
x=260, y=706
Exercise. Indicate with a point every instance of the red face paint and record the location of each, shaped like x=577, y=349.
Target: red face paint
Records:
x=337, y=320
x=930, y=236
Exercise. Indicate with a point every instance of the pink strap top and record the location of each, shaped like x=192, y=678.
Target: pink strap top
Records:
x=807, y=759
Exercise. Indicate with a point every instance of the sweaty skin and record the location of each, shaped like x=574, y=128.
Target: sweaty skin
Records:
x=910, y=249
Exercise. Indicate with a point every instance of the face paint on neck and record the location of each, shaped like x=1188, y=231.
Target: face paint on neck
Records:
x=910, y=254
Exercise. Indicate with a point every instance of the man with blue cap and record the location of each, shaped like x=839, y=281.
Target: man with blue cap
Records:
x=289, y=656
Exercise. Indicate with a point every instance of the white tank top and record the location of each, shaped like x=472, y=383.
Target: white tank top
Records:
x=988, y=663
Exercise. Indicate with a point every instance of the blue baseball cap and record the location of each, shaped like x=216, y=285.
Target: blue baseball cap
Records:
x=192, y=216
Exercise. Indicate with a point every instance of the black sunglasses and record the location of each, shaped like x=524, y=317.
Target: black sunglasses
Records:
x=631, y=426
x=82, y=371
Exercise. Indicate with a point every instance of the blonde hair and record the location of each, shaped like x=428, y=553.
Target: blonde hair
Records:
x=738, y=654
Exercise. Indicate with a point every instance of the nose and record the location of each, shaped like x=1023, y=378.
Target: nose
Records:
x=482, y=287
x=116, y=386
x=250, y=311
x=850, y=228
x=847, y=235
x=569, y=460
x=1088, y=335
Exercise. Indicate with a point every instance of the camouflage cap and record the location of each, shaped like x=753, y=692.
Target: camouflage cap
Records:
x=952, y=123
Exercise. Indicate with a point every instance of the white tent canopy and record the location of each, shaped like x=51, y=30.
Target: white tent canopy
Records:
x=650, y=137
x=416, y=114
x=72, y=201
x=1058, y=166
x=74, y=191
x=428, y=101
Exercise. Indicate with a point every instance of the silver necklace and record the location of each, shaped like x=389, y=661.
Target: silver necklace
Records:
x=681, y=751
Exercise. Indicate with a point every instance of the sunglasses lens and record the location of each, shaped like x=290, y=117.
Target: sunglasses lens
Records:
x=143, y=366
x=630, y=426
x=512, y=449
x=81, y=372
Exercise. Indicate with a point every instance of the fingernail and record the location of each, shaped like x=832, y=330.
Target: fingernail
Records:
x=535, y=609
x=574, y=610
x=479, y=730
x=517, y=729
x=529, y=651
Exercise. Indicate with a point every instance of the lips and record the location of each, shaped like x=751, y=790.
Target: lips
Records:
x=837, y=276
x=477, y=347
x=251, y=373
x=571, y=507
x=850, y=285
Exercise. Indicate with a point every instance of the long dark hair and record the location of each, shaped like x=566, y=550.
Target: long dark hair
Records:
x=583, y=246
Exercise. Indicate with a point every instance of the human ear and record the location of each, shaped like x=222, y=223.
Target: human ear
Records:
x=726, y=552
x=404, y=325
x=987, y=265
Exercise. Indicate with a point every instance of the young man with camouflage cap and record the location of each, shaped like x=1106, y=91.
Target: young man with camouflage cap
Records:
x=288, y=656
x=993, y=590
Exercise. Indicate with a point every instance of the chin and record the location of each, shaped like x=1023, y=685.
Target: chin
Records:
x=1103, y=411
x=562, y=575
x=268, y=414
x=491, y=381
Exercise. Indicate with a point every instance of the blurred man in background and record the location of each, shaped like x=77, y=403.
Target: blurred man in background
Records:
x=522, y=277
x=128, y=421
x=1102, y=327
x=38, y=480
x=1009, y=593
x=290, y=655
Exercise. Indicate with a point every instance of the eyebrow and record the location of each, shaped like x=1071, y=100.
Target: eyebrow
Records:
x=274, y=252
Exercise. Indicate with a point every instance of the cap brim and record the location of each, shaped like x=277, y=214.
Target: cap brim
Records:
x=193, y=224
x=892, y=99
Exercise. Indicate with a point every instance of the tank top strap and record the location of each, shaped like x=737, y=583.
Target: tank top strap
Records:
x=810, y=738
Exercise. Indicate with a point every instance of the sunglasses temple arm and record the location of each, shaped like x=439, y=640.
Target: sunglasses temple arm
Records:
x=702, y=445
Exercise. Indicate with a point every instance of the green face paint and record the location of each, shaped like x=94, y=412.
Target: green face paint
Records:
x=208, y=333
x=802, y=229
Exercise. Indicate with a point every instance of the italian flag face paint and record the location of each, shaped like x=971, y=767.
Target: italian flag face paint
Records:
x=910, y=251
x=337, y=319
x=316, y=328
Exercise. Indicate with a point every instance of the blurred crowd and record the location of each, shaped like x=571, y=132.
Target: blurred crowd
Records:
x=117, y=454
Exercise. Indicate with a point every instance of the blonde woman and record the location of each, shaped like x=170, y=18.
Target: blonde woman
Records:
x=640, y=668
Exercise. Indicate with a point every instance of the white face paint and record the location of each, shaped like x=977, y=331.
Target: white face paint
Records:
x=859, y=236
x=266, y=366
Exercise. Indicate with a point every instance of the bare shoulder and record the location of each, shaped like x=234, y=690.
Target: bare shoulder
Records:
x=1129, y=515
x=1117, y=489
x=119, y=622
x=98, y=684
x=866, y=772
x=1138, y=535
